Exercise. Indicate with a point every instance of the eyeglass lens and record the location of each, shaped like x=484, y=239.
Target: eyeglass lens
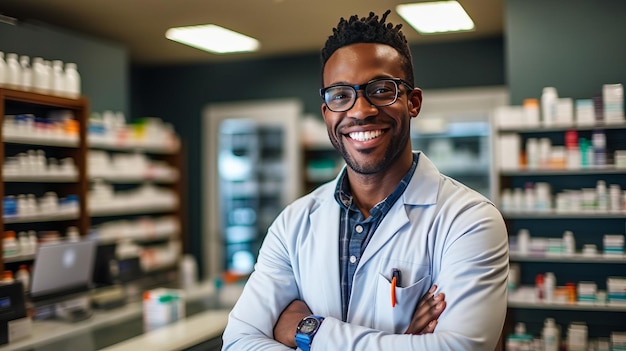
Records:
x=379, y=93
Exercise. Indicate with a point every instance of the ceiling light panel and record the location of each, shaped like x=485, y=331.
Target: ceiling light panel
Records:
x=213, y=38
x=436, y=17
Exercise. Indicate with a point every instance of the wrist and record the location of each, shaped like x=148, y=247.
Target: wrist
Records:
x=306, y=330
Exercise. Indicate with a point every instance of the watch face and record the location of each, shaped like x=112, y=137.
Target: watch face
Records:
x=308, y=325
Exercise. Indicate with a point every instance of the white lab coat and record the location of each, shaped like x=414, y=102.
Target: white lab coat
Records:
x=438, y=232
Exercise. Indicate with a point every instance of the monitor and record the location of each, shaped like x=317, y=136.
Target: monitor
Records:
x=62, y=269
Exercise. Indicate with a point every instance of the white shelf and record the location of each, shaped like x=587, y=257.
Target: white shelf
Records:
x=134, y=178
x=18, y=258
x=131, y=146
x=42, y=218
x=523, y=298
x=564, y=215
x=576, y=258
x=41, y=178
x=541, y=129
x=145, y=209
x=559, y=172
x=41, y=140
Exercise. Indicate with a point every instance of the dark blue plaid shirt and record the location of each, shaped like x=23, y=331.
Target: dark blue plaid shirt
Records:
x=355, y=231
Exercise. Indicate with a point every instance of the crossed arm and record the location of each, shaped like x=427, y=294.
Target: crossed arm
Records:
x=424, y=318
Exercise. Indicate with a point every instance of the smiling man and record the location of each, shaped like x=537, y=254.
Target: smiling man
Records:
x=355, y=264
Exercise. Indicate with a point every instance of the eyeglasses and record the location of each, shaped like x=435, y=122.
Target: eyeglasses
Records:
x=378, y=92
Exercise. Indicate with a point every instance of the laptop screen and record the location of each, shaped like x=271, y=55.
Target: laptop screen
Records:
x=62, y=268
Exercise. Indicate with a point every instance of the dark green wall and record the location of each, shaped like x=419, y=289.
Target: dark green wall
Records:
x=575, y=46
x=103, y=66
x=179, y=93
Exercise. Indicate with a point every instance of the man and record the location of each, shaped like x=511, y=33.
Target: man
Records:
x=343, y=268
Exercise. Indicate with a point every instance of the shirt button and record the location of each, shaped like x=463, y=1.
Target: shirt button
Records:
x=359, y=229
x=352, y=259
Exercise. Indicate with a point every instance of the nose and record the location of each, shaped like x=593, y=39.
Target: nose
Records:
x=362, y=107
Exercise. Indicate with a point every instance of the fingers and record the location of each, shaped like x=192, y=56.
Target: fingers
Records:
x=426, y=314
x=429, y=295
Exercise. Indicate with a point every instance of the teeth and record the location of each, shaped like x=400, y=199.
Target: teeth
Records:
x=364, y=136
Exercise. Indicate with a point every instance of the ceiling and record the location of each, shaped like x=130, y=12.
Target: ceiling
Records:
x=284, y=27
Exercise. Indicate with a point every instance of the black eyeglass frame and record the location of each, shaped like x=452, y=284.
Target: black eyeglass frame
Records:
x=357, y=87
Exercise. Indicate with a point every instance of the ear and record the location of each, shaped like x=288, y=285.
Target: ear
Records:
x=415, y=102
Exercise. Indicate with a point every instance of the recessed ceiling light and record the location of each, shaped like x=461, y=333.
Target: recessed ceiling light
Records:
x=213, y=38
x=436, y=17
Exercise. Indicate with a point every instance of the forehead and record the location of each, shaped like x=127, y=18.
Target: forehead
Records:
x=362, y=62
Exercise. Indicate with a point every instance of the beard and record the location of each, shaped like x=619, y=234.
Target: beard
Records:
x=370, y=165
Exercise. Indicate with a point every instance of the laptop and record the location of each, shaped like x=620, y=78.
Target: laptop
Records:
x=62, y=269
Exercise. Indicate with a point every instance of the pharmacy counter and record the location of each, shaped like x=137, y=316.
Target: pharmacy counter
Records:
x=122, y=329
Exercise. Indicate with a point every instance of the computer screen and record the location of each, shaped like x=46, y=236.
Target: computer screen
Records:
x=62, y=268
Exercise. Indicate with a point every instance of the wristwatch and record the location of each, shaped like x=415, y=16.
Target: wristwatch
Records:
x=307, y=328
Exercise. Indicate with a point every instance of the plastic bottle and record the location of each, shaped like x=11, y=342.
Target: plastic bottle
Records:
x=7, y=277
x=24, y=276
x=3, y=69
x=602, y=196
x=188, y=271
x=39, y=78
x=34, y=241
x=27, y=73
x=9, y=244
x=549, y=285
x=13, y=73
x=569, y=244
x=549, y=99
x=550, y=335
x=598, y=142
x=57, y=79
x=523, y=241
x=539, y=287
x=24, y=243
x=72, y=80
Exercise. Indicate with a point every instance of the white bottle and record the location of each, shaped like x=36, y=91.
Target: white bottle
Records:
x=24, y=243
x=34, y=241
x=550, y=335
x=57, y=79
x=188, y=272
x=3, y=69
x=549, y=99
x=569, y=243
x=523, y=241
x=13, y=73
x=46, y=81
x=602, y=196
x=38, y=74
x=24, y=276
x=9, y=244
x=27, y=73
x=72, y=80
x=549, y=285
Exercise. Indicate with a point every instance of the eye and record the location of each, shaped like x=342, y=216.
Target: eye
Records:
x=381, y=89
x=339, y=94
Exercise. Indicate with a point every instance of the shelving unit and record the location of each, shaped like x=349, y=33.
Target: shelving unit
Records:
x=460, y=151
x=587, y=224
x=31, y=165
x=146, y=207
x=142, y=205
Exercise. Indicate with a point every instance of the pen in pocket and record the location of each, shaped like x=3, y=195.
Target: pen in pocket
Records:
x=396, y=280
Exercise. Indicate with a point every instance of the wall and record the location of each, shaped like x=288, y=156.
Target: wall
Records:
x=103, y=66
x=179, y=93
x=575, y=46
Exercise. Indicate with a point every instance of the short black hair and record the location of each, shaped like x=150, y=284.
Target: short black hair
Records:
x=369, y=30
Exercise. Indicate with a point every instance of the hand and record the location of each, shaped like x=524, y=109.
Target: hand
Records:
x=285, y=328
x=426, y=313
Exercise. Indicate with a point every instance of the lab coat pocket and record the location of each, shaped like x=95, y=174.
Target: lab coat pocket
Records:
x=395, y=319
